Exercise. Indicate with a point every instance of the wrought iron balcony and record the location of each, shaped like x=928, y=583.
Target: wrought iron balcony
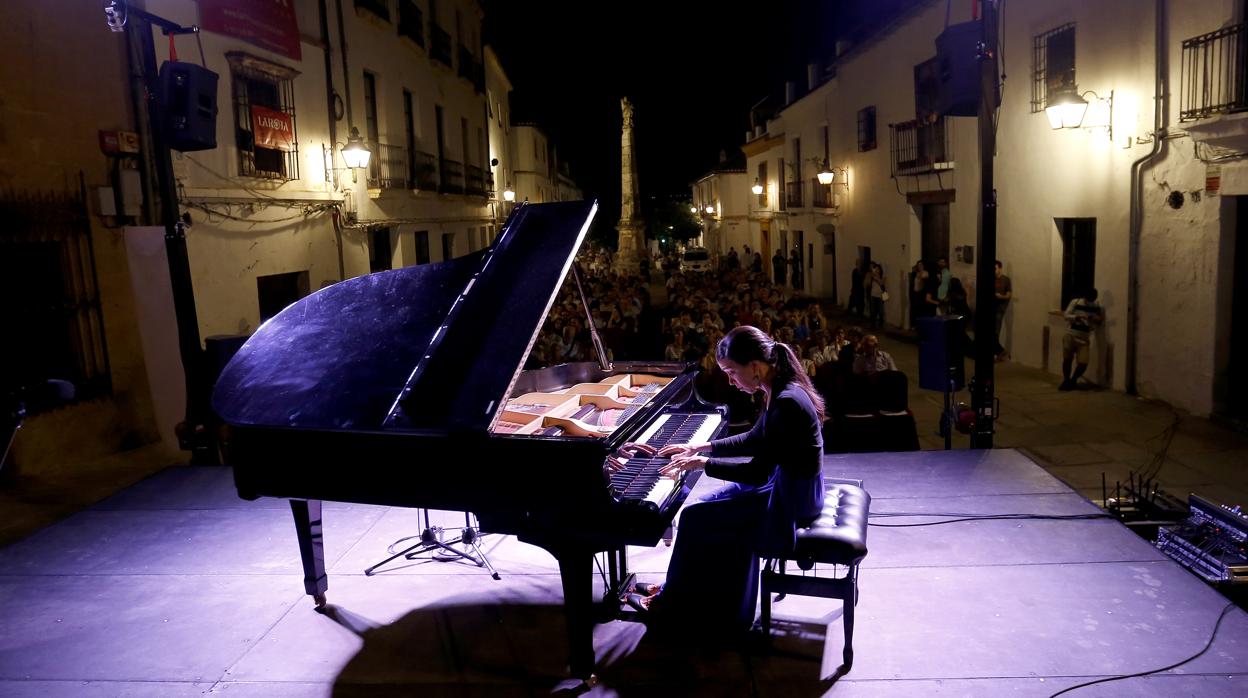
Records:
x=475, y=183
x=821, y=195
x=452, y=177
x=388, y=167
x=411, y=21
x=921, y=146
x=423, y=170
x=793, y=194
x=440, y=44
x=1214, y=77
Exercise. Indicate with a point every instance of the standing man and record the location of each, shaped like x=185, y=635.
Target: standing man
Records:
x=856, y=299
x=778, y=266
x=795, y=261
x=1004, y=291
x=1083, y=315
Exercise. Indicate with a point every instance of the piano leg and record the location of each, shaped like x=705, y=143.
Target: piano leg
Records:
x=308, y=528
x=576, y=569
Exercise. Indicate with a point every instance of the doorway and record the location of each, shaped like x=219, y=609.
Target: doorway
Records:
x=935, y=232
x=1234, y=399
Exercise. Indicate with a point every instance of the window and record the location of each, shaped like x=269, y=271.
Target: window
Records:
x=927, y=91
x=276, y=291
x=370, y=109
x=264, y=117
x=448, y=246
x=1078, y=256
x=422, y=246
x=409, y=132
x=1053, y=65
x=411, y=22
x=866, y=129
x=381, y=8
x=380, y=250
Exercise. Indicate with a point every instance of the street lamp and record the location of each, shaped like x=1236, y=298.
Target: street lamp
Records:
x=757, y=188
x=710, y=210
x=826, y=173
x=693, y=209
x=1066, y=109
x=509, y=194
x=356, y=153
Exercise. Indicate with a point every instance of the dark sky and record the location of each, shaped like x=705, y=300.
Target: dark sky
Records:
x=691, y=69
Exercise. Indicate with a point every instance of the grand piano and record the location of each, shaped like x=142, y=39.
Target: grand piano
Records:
x=406, y=388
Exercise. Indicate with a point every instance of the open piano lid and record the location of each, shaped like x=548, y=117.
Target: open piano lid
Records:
x=433, y=347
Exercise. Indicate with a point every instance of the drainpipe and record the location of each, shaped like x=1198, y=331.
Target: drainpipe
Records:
x=333, y=125
x=1160, y=105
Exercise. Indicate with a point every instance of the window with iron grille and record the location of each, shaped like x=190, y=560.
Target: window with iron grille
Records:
x=927, y=91
x=264, y=118
x=411, y=22
x=866, y=129
x=1053, y=65
x=762, y=179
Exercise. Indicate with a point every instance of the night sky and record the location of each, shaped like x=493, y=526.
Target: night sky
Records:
x=692, y=70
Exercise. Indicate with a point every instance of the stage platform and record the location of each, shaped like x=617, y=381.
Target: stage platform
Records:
x=175, y=587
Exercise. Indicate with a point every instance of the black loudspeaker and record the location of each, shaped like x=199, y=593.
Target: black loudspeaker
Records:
x=219, y=349
x=940, y=349
x=188, y=98
x=957, y=67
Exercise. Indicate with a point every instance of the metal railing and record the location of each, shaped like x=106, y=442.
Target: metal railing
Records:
x=440, y=44
x=793, y=194
x=489, y=185
x=1214, y=78
x=475, y=181
x=921, y=146
x=411, y=21
x=452, y=177
x=821, y=195
x=388, y=167
x=423, y=170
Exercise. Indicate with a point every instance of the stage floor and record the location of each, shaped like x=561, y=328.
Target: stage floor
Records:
x=175, y=587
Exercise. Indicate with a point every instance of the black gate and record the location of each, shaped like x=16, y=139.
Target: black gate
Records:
x=49, y=293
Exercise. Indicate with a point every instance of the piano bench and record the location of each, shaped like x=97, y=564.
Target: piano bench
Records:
x=838, y=537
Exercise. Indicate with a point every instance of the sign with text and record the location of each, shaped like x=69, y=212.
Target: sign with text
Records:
x=272, y=128
x=269, y=24
x=1213, y=178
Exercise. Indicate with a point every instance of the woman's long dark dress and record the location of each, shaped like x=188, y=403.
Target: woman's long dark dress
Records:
x=712, y=580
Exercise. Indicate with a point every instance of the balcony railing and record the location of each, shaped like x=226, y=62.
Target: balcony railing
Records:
x=452, y=177
x=440, y=44
x=821, y=195
x=919, y=147
x=381, y=8
x=411, y=21
x=475, y=183
x=489, y=185
x=793, y=194
x=423, y=170
x=388, y=167
x=1214, y=78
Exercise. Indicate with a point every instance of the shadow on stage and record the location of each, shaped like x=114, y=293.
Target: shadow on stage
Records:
x=479, y=646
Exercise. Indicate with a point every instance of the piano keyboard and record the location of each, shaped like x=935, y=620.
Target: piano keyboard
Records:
x=639, y=479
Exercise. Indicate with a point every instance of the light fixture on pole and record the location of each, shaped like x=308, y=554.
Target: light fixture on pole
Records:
x=509, y=194
x=757, y=188
x=710, y=210
x=355, y=153
x=693, y=209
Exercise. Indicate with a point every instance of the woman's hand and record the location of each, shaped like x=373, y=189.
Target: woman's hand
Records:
x=682, y=464
x=633, y=448
x=681, y=450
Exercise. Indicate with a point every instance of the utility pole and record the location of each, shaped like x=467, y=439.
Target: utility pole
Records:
x=194, y=433
x=983, y=387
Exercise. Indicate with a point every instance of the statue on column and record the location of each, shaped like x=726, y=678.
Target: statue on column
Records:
x=630, y=227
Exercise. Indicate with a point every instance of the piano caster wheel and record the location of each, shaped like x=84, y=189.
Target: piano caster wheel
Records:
x=319, y=600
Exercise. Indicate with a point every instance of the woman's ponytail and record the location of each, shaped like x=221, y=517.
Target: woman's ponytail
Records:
x=745, y=344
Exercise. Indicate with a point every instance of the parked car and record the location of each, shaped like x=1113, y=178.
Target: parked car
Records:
x=695, y=259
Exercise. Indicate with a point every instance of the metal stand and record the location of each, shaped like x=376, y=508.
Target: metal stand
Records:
x=947, y=418
x=431, y=541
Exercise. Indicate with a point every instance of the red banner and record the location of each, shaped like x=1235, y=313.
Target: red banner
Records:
x=269, y=24
x=272, y=129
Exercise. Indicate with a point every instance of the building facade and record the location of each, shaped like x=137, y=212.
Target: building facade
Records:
x=273, y=213
x=907, y=183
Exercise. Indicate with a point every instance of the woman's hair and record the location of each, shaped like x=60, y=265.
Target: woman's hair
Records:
x=744, y=344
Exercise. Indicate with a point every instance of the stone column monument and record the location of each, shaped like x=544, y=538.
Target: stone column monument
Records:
x=632, y=232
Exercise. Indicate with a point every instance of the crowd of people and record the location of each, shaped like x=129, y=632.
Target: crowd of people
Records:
x=700, y=308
